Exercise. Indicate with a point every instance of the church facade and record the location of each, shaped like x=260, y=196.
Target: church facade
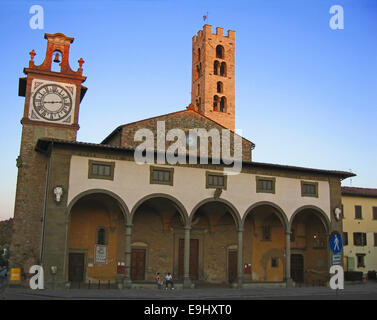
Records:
x=90, y=212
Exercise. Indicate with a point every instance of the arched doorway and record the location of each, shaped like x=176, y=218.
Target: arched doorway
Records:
x=158, y=222
x=264, y=248
x=309, y=249
x=214, y=227
x=95, y=238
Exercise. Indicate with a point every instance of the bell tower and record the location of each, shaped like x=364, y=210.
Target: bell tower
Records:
x=51, y=109
x=213, y=77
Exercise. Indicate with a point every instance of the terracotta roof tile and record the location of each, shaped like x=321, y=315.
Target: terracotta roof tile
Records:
x=361, y=192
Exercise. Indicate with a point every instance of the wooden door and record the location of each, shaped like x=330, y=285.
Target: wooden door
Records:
x=138, y=264
x=76, y=263
x=232, y=265
x=194, y=259
x=297, y=267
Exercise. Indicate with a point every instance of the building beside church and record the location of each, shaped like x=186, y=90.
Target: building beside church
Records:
x=360, y=229
x=93, y=213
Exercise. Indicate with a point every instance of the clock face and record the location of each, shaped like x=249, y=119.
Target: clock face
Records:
x=52, y=102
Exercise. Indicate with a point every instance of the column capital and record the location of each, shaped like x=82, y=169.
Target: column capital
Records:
x=240, y=229
x=187, y=228
x=129, y=225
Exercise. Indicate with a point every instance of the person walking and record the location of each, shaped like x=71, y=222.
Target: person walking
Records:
x=169, y=279
x=159, y=281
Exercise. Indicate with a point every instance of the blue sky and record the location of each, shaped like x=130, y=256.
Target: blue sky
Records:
x=305, y=94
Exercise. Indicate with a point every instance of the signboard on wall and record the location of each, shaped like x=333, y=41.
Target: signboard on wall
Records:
x=100, y=254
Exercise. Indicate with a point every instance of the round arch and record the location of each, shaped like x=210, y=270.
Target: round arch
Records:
x=233, y=211
x=317, y=211
x=280, y=213
x=181, y=208
x=122, y=204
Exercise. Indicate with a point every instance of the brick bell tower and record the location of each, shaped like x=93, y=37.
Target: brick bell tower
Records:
x=213, y=77
x=52, y=100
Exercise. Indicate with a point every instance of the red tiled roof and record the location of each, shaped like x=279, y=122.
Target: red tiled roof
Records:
x=361, y=192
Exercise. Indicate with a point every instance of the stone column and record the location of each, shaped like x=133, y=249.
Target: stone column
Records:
x=186, y=259
x=240, y=266
x=127, y=275
x=288, y=279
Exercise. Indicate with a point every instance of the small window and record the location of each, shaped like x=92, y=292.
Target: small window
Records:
x=309, y=189
x=216, y=66
x=220, y=87
x=215, y=103
x=345, y=238
x=101, y=236
x=374, y=213
x=360, y=260
x=223, y=69
x=265, y=185
x=274, y=262
x=360, y=239
x=159, y=175
x=375, y=239
x=222, y=104
x=215, y=180
x=266, y=233
x=220, y=52
x=358, y=212
x=101, y=170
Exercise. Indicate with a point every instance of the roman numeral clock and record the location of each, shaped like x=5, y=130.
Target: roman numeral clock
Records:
x=52, y=101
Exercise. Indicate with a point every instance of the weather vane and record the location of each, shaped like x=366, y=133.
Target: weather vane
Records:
x=205, y=17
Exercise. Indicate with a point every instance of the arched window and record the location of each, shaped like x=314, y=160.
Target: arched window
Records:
x=198, y=90
x=220, y=87
x=220, y=52
x=216, y=66
x=101, y=236
x=222, y=104
x=223, y=69
x=215, y=103
x=198, y=55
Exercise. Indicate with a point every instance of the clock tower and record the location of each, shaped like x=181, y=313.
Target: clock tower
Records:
x=52, y=101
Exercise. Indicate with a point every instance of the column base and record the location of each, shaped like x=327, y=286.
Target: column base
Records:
x=187, y=284
x=127, y=284
x=289, y=283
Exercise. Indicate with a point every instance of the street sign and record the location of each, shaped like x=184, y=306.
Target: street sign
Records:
x=337, y=259
x=336, y=244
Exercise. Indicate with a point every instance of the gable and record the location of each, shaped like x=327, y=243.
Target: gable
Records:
x=185, y=120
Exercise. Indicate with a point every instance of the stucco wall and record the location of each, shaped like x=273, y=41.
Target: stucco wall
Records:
x=131, y=183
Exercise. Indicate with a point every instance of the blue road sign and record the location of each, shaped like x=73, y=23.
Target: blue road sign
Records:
x=336, y=244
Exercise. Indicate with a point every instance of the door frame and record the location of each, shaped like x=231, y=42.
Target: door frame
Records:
x=183, y=262
x=145, y=247
x=230, y=248
x=179, y=233
x=83, y=251
x=302, y=253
